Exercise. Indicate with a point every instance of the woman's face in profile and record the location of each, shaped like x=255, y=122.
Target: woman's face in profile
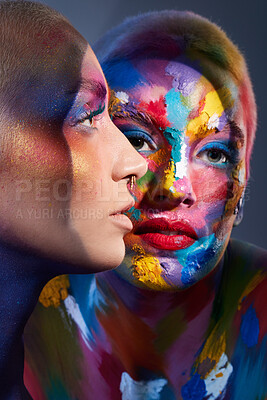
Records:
x=184, y=210
x=64, y=177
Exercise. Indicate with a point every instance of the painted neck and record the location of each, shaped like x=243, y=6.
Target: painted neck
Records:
x=22, y=277
x=148, y=329
x=155, y=305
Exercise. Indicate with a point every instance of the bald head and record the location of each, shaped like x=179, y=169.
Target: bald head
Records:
x=38, y=46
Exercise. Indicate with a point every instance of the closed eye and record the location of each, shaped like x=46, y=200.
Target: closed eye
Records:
x=87, y=118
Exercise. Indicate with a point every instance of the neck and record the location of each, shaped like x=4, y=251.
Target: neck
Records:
x=147, y=328
x=22, y=277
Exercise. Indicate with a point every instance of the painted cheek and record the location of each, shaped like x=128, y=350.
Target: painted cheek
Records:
x=236, y=187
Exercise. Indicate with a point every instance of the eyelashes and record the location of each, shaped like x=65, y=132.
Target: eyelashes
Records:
x=140, y=140
x=87, y=117
x=218, y=154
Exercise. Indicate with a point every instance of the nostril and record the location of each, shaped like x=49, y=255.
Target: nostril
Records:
x=188, y=202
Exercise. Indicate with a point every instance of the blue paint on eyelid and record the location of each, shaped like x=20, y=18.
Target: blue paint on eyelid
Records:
x=227, y=149
x=139, y=135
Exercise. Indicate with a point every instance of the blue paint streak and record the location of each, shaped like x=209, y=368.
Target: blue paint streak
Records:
x=83, y=289
x=122, y=74
x=250, y=328
x=174, y=137
x=135, y=213
x=197, y=258
x=176, y=110
x=250, y=371
x=194, y=389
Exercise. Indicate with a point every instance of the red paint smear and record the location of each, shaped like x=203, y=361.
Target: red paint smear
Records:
x=32, y=384
x=132, y=340
x=111, y=369
x=157, y=111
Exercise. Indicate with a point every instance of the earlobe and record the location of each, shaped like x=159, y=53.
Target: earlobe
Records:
x=239, y=210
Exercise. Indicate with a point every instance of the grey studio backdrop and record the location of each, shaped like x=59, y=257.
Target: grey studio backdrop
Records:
x=245, y=23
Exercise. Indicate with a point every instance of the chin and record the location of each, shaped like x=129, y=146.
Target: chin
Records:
x=173, y=271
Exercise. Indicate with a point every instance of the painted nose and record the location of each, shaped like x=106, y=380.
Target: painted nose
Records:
x=169, y=193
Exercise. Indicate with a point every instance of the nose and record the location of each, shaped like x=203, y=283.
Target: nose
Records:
x=127, y=160
x=167, y=192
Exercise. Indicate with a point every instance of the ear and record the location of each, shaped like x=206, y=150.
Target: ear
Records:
x=239, y=210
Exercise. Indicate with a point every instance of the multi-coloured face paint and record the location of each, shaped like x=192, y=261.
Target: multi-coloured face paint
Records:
x=195, y=150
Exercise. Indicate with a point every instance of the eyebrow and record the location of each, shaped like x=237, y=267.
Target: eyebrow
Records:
x=95, y=86
x=235, y=132
x=129, y=111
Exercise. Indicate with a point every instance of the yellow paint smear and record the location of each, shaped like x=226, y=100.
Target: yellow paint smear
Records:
x=215, y=103
x=147, y=269
x=169, y=177
x=256, y=280
x=213, y=349
x=55, y=291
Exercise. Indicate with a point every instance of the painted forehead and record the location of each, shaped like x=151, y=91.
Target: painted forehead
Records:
x=177, y=88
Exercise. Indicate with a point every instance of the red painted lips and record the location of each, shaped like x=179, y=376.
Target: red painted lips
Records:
x=179, y=235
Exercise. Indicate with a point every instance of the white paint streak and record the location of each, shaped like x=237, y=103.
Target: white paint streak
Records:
x=215, y=385
x=123, y=97
x=214, y=121
x=181, y=166
x=141, y=390
x=75, y=314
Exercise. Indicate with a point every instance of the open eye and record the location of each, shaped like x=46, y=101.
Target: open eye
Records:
x=140, y=140
x=216, y=154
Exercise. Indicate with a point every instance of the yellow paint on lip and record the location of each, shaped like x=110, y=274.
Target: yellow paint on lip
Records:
x=147, y=270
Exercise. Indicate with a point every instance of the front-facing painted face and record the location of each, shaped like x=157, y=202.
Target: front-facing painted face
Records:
x=191, y=136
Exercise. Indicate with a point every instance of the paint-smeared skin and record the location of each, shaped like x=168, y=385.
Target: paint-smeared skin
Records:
x=158, y=344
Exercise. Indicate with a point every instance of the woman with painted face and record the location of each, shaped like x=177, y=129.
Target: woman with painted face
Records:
x=65, y=169
x=184, y=315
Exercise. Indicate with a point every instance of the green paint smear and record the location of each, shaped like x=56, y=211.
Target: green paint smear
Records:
x=53, y=351
x=174, y=138
x=148, y=177
x=57, y=391
x=175, y=320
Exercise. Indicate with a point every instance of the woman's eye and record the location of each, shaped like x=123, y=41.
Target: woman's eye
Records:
x=88, y=122
x=216, y=156
x=88, y=117
x=141, y=141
